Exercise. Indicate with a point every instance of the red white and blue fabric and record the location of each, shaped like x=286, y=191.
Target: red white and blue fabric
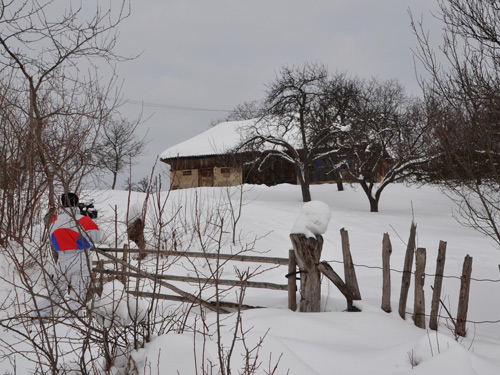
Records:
x=72, y=231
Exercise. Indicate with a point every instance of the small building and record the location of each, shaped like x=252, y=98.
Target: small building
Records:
x=210, y=159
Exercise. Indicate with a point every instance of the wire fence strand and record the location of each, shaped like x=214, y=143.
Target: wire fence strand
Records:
x=412, y=272
x=431, y=275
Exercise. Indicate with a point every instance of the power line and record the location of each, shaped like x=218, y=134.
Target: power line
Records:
x=172, y=106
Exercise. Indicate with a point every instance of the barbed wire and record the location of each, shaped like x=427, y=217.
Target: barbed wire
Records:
x=413, y=272
x=450, y=318
x=444, y=276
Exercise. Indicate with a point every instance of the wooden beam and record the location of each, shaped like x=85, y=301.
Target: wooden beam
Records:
x=408, y=264
x=419, y=300
x=308, y=253
x=189, y=297
x=233, y=257
x=386, y=273
x=438, y=283
x=170, y=297
x=292, y=281
x=349, y=271
x=463, y=302
x=348, y=293
x=201, y=280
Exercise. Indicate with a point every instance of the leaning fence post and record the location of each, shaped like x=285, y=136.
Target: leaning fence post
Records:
x=405, y=283
x=463, y=302
x=349, y=271
x=308, y=254
x=328, y=271
x=292, y=281
x=386, y=273
x=438, y=283
x=419, y=303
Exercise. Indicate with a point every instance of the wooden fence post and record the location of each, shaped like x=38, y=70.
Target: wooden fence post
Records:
x=386, y=273
x=406, y=280
x=308, y=255
x=292, y=281
x=419, y=303
x=438, y=284
x=349, y=271
x=463, y=302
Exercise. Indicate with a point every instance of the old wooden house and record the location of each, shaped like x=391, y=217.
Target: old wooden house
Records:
x=210, y=159
x=213, y=158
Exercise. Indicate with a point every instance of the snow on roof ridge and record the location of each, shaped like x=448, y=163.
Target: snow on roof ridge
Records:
x=216, y=140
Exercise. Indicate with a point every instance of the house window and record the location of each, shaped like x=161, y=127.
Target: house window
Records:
x=186, y=173
x=225, y=171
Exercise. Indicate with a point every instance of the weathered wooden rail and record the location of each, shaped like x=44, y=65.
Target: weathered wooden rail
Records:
x=125, y=271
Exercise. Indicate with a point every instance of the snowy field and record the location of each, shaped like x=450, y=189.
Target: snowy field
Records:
x=335, y=341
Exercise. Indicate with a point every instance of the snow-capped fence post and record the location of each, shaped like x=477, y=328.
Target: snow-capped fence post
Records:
x=419, y=303
x=349, y=271
x=438, y=282
x=292, y=281
x=386, y=273
x=308, y=254
x=406, y=279
x=307, y=242
x=463, y=302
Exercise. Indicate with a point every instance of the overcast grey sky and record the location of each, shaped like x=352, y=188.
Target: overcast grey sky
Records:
x=216, y=54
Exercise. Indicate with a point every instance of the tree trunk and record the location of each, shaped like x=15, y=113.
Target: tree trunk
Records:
x=304, y=184
x=306, y=192
x=368, y=191
x=37, y=124
x=308, y=254
x=114, y=181
x=338, y=180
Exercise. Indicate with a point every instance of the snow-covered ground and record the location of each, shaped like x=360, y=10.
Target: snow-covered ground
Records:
x=335, y=341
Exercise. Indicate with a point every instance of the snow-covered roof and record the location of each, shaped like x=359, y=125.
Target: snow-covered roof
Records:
x=215, y=141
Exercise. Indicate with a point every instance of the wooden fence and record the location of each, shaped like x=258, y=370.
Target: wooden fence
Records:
x=348, y=287
x=418, y=256
x=122, y=271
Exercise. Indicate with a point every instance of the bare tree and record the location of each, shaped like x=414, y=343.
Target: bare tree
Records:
x=332, y=123
x=387, y=137
x=53, y=104
x=285, y=128
x=43, y=53
x=118, y=145
x=245, y=111
x=369, y=131
x=144, y=185
x=464, y=89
